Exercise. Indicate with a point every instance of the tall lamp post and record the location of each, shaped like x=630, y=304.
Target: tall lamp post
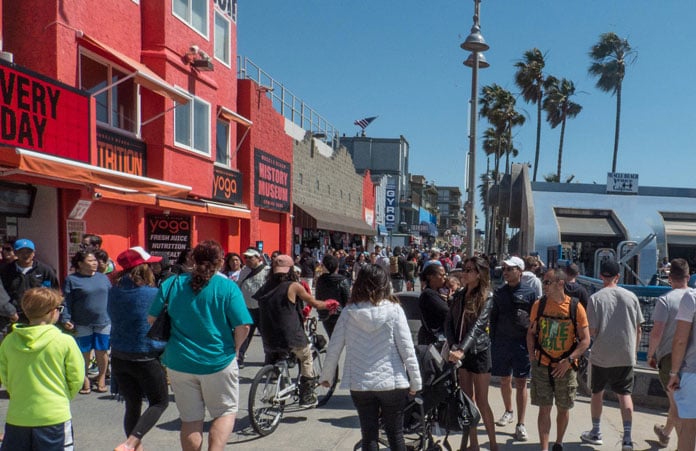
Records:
x=475, y=44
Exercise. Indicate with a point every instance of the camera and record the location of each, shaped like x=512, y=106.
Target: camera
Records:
x=97, y=195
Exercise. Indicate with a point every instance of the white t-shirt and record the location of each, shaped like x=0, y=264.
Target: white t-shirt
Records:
x=687, y=312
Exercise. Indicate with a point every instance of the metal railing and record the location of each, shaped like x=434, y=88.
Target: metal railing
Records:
x=287, y=103
x=647, y=295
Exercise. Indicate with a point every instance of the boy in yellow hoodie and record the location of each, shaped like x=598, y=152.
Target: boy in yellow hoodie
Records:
x=42, y=369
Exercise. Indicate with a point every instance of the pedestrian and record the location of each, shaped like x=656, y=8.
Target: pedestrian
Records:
x=209, y=322
x=660, y=347
x=529, y=276
x=512, y=304
x=184, y=262
x=433, y=306
x=251, y=278
x=466, y=329
x=572, y=287
x=615, y=325
x=233, y=266
x=135, y=364
x=682, y=375
x=381, y=369
x=360, y=263
x=86, y=294
x=42, y=370
x=396, y=269
x=308, y=265
x=558, y=335
x=332, y=285
x=410, y=266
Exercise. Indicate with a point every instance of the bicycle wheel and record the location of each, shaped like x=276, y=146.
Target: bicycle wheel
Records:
x=323, y=393
x=265, y=410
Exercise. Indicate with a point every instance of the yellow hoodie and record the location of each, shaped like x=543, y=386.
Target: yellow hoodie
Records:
x=42, y=369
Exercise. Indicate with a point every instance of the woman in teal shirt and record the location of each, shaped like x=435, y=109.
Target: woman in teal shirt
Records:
x=209, y=323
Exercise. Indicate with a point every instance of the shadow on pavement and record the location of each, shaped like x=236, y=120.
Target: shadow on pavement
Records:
x=350, y=422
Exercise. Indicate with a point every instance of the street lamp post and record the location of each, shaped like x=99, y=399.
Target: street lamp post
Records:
x=476, y=44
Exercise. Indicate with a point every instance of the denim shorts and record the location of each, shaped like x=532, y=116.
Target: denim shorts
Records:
x=510, y=358
x=684, y=397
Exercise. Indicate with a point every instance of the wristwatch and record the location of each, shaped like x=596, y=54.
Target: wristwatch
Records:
x=674, y=373
x=571, y=360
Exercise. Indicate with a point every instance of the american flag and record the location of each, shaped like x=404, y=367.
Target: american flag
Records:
x=363, y=123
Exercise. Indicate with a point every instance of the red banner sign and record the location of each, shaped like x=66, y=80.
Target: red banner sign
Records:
x=41, y=114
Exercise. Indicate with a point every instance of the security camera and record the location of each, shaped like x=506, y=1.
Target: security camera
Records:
x=97, y=195
x=203, y=55
x=193, y=50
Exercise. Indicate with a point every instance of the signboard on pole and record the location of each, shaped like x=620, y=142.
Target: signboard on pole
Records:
x=390, y=208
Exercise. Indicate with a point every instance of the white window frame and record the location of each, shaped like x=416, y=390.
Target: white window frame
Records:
x=228, y=44
x=190, y=11
x=192, y=124
x=111, y=65
x=233, y=9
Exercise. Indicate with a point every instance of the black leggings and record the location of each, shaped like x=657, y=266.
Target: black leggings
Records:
x=135, y=379
x=389, y=405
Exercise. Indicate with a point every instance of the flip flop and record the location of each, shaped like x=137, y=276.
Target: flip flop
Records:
x=103, y=389
x=85, y=391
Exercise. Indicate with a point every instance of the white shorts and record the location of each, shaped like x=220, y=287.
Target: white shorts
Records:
x=684, y=397
x=219, y=392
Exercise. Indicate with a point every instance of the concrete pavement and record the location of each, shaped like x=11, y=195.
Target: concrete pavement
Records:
x=98, y=419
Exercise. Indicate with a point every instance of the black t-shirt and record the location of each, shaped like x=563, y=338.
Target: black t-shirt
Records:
x=575, y=290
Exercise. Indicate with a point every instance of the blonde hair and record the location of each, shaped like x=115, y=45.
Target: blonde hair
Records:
x=38, y=302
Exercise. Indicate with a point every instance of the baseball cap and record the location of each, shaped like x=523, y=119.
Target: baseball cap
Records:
x=24, y=244
x=135, y=256
x=252, y=252
x=282, y=264
x=514, y=261
x=609, y=268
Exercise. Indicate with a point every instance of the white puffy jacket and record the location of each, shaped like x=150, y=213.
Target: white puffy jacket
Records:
x=379, y=349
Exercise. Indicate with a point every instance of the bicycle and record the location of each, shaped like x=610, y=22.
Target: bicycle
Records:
x=273, y=388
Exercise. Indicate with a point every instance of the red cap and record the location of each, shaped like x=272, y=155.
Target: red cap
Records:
x=135, y=256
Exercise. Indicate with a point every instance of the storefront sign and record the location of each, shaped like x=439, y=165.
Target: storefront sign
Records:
x=271, y=182
x=390, y=208
x=43, y=115
x=75, y=230
x=227, y=185
x=622, y=183
x=168, y=235
x=120, y=153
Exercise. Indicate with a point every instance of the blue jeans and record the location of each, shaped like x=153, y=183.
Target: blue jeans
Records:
x=391, y=404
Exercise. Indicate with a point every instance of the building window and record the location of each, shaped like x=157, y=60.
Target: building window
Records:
x=328, y=187
x=300, y=179
x=317, y=185
x=117, y=106
x=222, y=38
x=194, y=13
x=228, y=7
x=222, y=142
x=192, y=125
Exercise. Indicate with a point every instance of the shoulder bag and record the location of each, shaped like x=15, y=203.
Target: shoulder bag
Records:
x=161, y=329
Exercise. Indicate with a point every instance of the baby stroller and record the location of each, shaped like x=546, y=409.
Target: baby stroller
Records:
x=440, y=406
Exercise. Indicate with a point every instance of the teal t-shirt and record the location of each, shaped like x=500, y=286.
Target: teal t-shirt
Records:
x=202, y=338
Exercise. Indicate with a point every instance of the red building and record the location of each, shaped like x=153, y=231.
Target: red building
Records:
x=124, y=121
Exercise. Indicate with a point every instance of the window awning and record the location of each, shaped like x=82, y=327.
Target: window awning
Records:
x=588, y=226
x=681, y=233
x=143, y=75
x=231, y=116
x=315, y=218
x=45, y=166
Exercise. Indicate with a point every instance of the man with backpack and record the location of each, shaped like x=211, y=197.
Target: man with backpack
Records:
x=558, y=335
x=396, y=270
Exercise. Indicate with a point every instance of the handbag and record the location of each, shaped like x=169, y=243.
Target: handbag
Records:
x=459, y=412
x=161, y=329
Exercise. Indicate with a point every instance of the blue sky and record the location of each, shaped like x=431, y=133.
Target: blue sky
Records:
x=400, y=60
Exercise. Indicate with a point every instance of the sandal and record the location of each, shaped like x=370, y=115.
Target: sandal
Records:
x=102, y=389
x=85, y=391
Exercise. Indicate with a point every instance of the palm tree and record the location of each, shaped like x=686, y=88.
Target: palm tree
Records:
x=559, y=108
x=609, y=59
x=498, y=106
x=530, y=79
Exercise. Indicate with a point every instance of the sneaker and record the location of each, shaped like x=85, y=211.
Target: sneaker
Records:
x=592, y=438
x=310, y=402
x=93, y=370
x=557, y=447
x=505, y=419
x=627, y=446
x=662, y=438
x=521, y=433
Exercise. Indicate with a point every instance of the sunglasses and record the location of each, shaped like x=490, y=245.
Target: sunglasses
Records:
x=549, y=282
x=468, y=270
x=60, y=309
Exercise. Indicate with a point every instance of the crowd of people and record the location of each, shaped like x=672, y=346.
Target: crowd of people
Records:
x=533, y=329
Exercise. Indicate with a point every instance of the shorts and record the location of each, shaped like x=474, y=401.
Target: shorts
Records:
x=510, y=357
x=664, y=366
x=58, y=437
x=545, y=388
x=477, y=363
x=93, y=337
x=619, y=379
x=684, y=397
x=219, y=392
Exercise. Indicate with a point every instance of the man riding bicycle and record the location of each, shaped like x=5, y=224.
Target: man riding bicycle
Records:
x=281, y=301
